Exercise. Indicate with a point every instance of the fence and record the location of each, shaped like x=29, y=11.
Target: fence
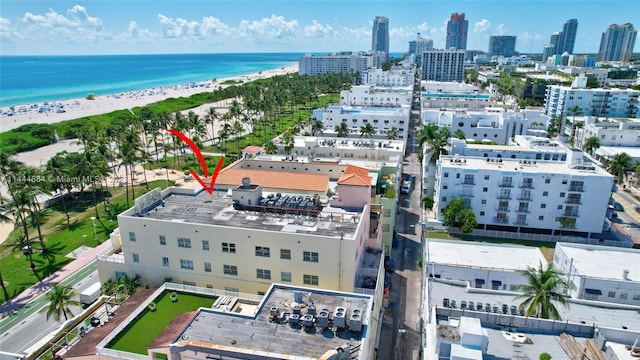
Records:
x=544, y=237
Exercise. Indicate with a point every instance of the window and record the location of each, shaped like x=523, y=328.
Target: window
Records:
x=205, y=245
x=445, y=187
x=188, y=283
x=483, y=202
x=263, y=274
x=163, y=240
x=540, y=217
x=230, y=270
x=231, y=290
x=285, y=254
x=228, y=248
x=132, y=236
x=486, y=177
x=458, y=176
x=564, y=182
x=207, y=267
x=484, y=189
x=623, y=296
x=310, y=256
x=559, y=207
x=285, y=276
x=611, y=294
x=184, y=243
x=186, y=264
x=444, y=199
x=446, y=174
x=636, y=297
x=545, y=193
x=310, y=280
x=136, y=257
x=263, y=251
x=481, y=213
x=561, y=194
x=543, y=206
x=165, y=261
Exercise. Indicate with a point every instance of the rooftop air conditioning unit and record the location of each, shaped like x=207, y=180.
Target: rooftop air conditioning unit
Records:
x=311, y=309
x=339, y=317
x=355, y=320
x=274, y=311
x=307, y=320
x=323, y=318
x=293, y=319
x=296, y=309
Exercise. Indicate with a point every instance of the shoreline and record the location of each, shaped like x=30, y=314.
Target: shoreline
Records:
x=102, y=104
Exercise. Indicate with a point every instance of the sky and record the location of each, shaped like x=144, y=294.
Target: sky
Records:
x=88, y=27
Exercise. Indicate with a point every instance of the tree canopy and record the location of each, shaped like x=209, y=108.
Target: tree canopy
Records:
x=457, y=215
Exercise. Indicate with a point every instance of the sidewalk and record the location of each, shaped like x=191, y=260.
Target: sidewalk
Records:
x=31, y=293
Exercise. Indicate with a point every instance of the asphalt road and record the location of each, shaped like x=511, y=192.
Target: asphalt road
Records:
x=629, y=219
x=21, y=331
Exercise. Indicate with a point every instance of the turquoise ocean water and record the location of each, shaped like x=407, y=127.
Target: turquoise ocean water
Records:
x=36, y=79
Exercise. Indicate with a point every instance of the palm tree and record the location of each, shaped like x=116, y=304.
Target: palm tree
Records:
x=367, y=130
x=5, y=217
x=427, y=133
x=288, y=141
x=60, y=298
x=574, y=110
x=342, y=130
x=619, y=164
x=270, y=148
x=591, y=143
x=438, y=142
x=211, y=117
x=544, y=287
x=393, y=134
x=459, y=134
x=316, y=127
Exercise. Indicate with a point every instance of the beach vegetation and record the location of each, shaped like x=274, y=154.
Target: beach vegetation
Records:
x=27, y=137
x=90, y=96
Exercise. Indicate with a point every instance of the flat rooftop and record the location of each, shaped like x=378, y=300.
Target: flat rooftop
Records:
x=263, y=333
x=472, y=254
x=517, y=166
x=199, y=207
x=603, y=262
x=456, y=96
x=582, y=312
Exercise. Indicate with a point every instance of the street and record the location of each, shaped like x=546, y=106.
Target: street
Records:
x=28, y=326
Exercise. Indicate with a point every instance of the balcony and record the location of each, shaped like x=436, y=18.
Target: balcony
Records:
x=504, y=196
x=522, y=210
x=576, y=188
x=502, y=209
x=501, y=220
x=573, y=213
x=525, y=198
x=520, y=222
x=466, y=195
x=573, y=201
x=468, y=182
x=505, y=184
x=526, y=185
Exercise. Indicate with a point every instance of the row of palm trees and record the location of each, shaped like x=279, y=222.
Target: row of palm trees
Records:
x=367, y=130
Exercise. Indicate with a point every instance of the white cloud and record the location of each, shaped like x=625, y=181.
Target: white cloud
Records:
x=482, y=26
x=5, y=28
x=133, y=31
x=526, y=37
x=500, y=30
x=317, y=30
x=76, y=26
x=274, y=27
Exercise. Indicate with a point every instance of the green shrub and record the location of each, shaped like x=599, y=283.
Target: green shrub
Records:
x=545, y=356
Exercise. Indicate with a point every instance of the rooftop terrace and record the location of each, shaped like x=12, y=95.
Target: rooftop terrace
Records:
x=185, y=206
x=275, y=331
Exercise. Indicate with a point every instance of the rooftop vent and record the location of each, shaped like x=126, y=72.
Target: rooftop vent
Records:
x=323, y=318
x=294, y=318
x=339, y=317
x=355, y=320
x=307, y=320
x=246, y=182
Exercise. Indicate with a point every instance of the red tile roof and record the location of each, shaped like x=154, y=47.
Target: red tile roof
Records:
x=355, y=176
x=252, y=149
x=275, y=179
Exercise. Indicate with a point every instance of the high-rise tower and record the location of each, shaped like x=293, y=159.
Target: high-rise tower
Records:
x=457, y=28
x=380, y=34
x=562, y=41
x=617, y=43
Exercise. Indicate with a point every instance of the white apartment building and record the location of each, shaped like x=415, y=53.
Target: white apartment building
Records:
x=486, y=75
x=344, y=62
x=443, y=65
x=493, y=125
x=596, y=102
x=600, y=273
x=383, y=119
x=610, y=132
x=482, y=265
x=246, y=241
x=539, y=188
x=395, y=77
x=452, y=96
x=447, y=87
x=369, y=95
x=598, y=74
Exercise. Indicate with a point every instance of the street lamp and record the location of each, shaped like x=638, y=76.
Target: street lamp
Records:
x=95, y=235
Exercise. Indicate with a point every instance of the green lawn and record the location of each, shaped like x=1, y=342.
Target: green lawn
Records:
x=61, y=240
x=141, y=332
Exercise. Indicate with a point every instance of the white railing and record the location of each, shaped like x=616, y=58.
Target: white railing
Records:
x=117, y=354
x=212, y=292
x=116, y=259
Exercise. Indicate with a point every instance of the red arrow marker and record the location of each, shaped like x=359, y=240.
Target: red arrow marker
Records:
x=203, y=164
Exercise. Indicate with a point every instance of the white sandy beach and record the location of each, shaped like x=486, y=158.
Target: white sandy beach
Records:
x=77, y=108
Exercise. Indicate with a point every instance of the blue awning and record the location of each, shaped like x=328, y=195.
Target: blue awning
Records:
x=593, y=291
x=480, y=281
x=496, y=282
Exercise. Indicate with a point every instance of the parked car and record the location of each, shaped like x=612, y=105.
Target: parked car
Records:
x=618, y=206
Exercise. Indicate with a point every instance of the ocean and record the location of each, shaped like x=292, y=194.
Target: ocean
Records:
x=36, y=79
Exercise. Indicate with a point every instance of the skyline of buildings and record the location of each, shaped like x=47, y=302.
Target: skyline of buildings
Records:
x=617, y=43
x=562, y=41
